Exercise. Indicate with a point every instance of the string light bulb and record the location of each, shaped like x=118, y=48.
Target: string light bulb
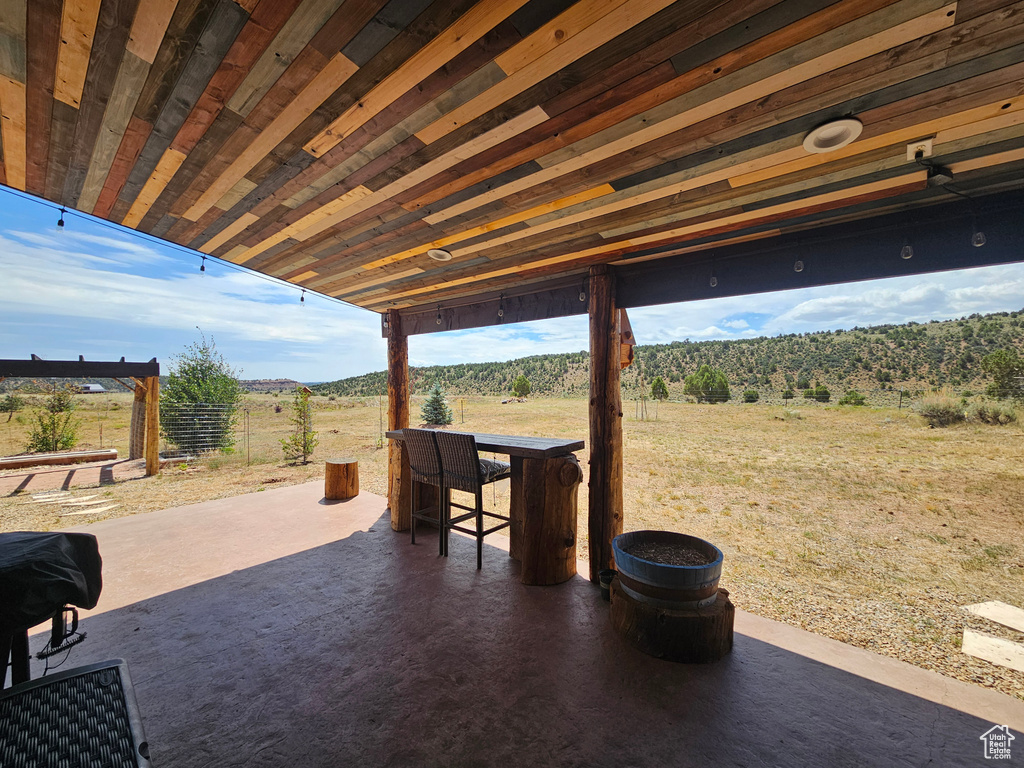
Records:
x=60, y=221
x=202, y=267
x=907, y=251
x=583, y=290
x=713, y=282
x=798, y=266
x=302, y=297
x=438, y=314
x=978, y=238
x=501, y=306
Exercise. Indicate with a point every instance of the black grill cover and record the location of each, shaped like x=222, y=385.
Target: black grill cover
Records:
x=41, y=572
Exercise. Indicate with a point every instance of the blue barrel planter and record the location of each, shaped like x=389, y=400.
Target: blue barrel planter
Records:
x=667, y=586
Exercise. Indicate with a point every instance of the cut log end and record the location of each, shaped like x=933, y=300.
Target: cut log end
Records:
x=341, y=479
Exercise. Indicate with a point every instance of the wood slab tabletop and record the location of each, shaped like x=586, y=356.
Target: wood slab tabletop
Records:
x=516, y=445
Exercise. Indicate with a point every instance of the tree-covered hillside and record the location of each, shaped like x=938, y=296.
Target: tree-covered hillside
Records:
x=877, y=358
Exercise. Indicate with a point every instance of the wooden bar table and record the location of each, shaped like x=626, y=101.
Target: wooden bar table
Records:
x=543, y=502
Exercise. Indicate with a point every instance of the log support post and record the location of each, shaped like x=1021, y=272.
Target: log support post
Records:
x=605, y=521
x=137, y=430
x=398, y=418
x=152, y=425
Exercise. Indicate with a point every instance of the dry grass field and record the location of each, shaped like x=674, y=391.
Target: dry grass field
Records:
x=860, y=524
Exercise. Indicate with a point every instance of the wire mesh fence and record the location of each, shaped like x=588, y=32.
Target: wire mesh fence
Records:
x=190, y=431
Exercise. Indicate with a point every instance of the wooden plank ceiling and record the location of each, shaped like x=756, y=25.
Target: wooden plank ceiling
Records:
x=332, y=142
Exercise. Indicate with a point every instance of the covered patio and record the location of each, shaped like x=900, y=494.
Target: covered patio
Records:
x=456, y=164
x=281, y=629
x=452, y=164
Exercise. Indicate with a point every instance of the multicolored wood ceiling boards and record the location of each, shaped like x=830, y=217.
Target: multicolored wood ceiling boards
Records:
x=331, y=143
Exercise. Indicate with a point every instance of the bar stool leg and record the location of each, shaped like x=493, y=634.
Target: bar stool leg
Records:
x=445, y=502
x=442, y=522
x=479, y=528
x=412, y=510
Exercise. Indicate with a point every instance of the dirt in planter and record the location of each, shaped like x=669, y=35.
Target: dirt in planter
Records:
x=667, y=554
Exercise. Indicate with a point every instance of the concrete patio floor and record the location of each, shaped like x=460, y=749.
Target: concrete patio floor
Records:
x=277, y=629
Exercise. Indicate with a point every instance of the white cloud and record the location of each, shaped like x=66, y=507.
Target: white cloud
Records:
x=47, y=281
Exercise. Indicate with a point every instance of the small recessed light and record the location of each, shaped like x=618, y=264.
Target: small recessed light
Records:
x=438, y=255
x=833, y=135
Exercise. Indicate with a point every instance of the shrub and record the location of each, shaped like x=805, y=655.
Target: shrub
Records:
x=1007, y=371
x=658, y=389
x=520, y=387
x=787, y=394
x=853, y=397
x=819, y=393
x=708, y=385
x=200, y=378
x=751, y=396
x=56, y=427
x=991, y=413
x=10, y=404
x=940, y=409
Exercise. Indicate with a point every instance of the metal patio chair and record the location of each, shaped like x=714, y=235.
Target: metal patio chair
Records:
x=464, y=470
x=425, y=467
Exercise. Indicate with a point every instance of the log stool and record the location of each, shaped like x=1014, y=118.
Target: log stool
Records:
x=341, y=479
x=692, y=635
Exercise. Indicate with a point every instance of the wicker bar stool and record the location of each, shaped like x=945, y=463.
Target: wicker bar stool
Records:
x=425, y=467
x=464, y=470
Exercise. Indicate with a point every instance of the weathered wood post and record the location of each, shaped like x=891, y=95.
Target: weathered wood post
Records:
x=398, y=418
x=137, y=430
x=152, y=425
x=605, y=521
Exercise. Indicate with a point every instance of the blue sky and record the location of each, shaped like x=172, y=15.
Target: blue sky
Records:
x=97, y=291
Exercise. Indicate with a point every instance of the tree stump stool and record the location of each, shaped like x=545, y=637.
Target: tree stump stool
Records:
x=691, y=635
x=341, y=479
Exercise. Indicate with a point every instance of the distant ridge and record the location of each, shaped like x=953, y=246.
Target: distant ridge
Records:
x=269, y=385
x=877, y=358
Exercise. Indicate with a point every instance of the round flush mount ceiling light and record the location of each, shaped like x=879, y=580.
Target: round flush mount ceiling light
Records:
x=438, y=255
x=833, y=135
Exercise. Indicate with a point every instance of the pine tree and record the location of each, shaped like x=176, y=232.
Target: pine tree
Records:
x=436, y=410
x=302, y=441
x=521, y=386
x=658, y=389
